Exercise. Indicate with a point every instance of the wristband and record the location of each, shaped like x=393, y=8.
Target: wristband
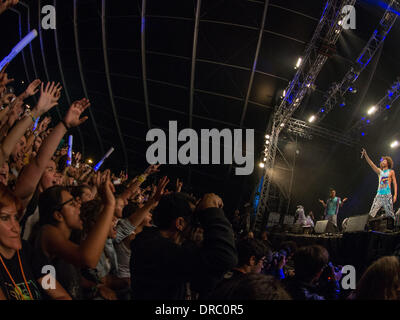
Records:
x=141, y=178
x=65, y=125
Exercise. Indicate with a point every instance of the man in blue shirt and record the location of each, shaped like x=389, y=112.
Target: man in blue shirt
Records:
x=332, y=206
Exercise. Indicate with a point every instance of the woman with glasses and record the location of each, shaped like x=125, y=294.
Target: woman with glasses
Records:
x=59, y=216
x=21, y=266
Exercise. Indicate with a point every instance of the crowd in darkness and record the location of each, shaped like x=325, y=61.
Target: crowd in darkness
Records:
x=111, y=237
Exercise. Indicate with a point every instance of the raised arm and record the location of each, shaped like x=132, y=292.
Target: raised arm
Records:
x=369, y=161
x=30, y=176
x=135, y=184
x=323, y=203
x=88, y=253
x=137, y=217
x=48, y=100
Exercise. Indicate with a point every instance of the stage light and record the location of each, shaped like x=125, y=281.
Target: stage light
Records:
x=265, y=159
x=343, y=103
x=340, y=22
x=298, y=64
x=353, y=90
x=267, y=142
x=372, y=110
x=311, y=119
x=267, y=136
x=394, y=144
x=282, y=125
x=322, y=110
x=90, y=161
x=284, y=93
x=368, y=121
x=363, y=134
x=261, y=165
x=388, y=106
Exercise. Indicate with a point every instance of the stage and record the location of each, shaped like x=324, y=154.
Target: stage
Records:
x=359, y=249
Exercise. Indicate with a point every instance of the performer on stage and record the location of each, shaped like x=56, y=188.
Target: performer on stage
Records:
x=332, y=206
x=386, y=176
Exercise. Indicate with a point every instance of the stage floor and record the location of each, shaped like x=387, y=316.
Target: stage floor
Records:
x=359, y=249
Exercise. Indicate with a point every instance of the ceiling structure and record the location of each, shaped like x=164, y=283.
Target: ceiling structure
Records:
x=204, y=63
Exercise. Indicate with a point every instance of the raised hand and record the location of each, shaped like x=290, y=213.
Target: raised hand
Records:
x=7, y=98
x=43, y=124
x=152, y=169
x=32, y=88
x=4, y=5
x=363, y=153
x=49, y=97
x=78, y=157
x=179, y=185
x=4, y=81
x=107, y=190
x=72, y=119
x=160, y=190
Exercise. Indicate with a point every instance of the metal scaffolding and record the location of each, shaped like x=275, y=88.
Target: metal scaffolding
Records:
x=306, y=130
x=392, y=94
x=338, y=90
x=326, y=35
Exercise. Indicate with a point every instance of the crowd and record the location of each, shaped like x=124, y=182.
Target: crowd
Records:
x=69, y=232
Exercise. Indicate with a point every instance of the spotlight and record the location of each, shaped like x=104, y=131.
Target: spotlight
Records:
x=90, y=161
x=340, y=22
x=267, y=142
x=353, y=89
x=267, y=136
x=284, y=93
x=322, y=110
x=298, y=64
x=265, y=159
x=388, y=106
x=282, y=125
x=343, y=103
x=363, y=134
x=394, y=144
x=261, y=165
x=372, y=110
x=311, y=119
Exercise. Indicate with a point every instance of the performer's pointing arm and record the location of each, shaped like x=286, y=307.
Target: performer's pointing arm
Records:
x=372, y=165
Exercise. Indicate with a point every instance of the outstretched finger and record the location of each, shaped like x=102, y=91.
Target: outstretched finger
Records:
x=47, y=87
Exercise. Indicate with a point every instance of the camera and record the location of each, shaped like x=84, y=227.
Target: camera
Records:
x=328, y=284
